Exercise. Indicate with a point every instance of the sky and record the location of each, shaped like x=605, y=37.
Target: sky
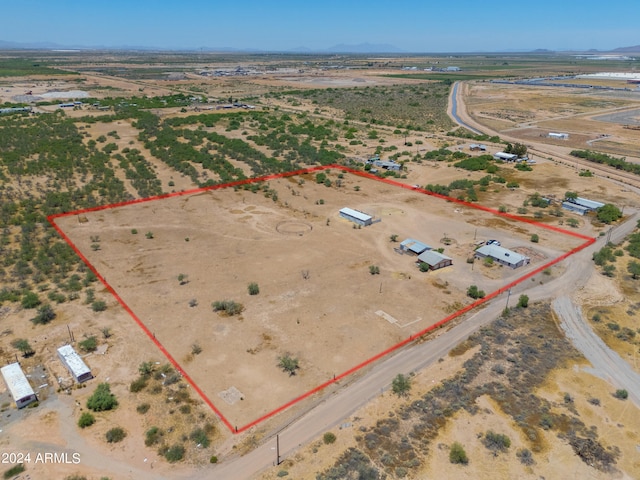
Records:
x=277, y=25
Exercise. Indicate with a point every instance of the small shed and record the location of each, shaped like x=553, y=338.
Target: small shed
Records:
x=18, y=385
x=76, y=366
x=559, y=136
x=477, y=147
x=413, y=246
x=435, y=260
x=356, y=216
x=502, y=255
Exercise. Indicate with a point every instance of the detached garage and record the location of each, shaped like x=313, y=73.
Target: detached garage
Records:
x=76, y=366
x=18, y=385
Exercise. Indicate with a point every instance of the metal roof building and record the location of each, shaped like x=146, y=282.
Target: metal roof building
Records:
x=574, y=207
x=590, y=204
x=435, y=260
x=356, y=216
x=507, y=157
x=502, y=256
x=414, y=246
x=76, y=366
x=18, y=385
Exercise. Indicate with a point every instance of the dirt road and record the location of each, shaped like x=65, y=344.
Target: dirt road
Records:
x=606, y=363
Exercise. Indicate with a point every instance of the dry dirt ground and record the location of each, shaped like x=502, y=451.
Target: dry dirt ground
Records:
x=223, y=240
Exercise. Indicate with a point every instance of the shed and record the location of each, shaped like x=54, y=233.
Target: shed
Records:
x=502, y=255
x=356, y=216
x=435, y=260
x=413, y=246
x=474, y=147
x=506, y=157
x=76, y=366
x=573, y=207
x=18, y=385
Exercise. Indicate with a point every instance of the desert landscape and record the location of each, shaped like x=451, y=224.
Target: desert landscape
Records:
x=248, y=330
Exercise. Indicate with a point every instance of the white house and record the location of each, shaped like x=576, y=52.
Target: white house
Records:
x=76, y=366
x=18, y=385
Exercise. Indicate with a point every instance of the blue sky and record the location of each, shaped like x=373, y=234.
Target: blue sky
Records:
x=410, y=25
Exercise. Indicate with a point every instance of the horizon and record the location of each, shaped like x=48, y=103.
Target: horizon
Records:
x=412, y=27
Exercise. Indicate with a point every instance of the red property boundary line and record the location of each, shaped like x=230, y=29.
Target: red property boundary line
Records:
x=52, y=220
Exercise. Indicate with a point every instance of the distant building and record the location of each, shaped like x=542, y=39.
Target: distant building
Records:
x=76, y=366
x=572, y=207
x=452, y=69
x=413, y=246
x=477, y=147
x=356, y=216
x=18, y=385
x=505, y=157
x=586, y=203
x=502, y=255
x=559, y=136
x=435, y=260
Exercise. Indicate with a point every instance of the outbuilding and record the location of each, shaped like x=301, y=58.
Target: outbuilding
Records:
x=18, y=385
x=356, y=216
x=506, y=157
x=559, y=136
x=502, y=255
x=573, y=207
x=76, y=366
x=434, y=259
x=586, y=203
x=413, y=246
x=477, y=147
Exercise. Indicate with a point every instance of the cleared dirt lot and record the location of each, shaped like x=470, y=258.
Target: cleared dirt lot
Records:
x=337, y=317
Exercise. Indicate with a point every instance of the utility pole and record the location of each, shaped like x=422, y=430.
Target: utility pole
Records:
x=278, y=449
x=508, y=295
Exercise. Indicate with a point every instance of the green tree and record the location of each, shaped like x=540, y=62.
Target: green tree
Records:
x=519, y=149
x=621, y=394
x=102, y=399
x=23, y=345
x=288, y=364
x=401, y=385
x=457, y=455
x=570, y=196
x=474, y=292
x=608, y=213
x=523, y=301
x=634, y=269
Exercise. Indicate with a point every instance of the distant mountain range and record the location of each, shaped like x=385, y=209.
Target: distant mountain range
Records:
x=341, y=48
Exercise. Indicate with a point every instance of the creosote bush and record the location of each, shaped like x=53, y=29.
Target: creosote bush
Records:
x=457, y=454
x=228, y=307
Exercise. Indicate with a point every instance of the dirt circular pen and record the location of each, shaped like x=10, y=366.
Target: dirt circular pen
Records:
x=288, y=227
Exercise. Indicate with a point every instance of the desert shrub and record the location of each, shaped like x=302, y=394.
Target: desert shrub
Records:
x=229, y=307
x=213, y=459
x=523, y=301
x=329, y=438
x=89, y=344
x=594, y=401
x=86, y=420
x=457, y=454
x=535, y=238
x=253, y=288
x=401, y=385
x=621, y=394
x=351, y=464
x=496, y=442
x=13, y=471
x=288, y=364
x=152, y=436
x=102, y=399
x=44, y=316
x=138, y=385
x=199, y=437
x=143, y=408
x=99, y=306
x=374, y=270
x=525, y=456
x=474, y=292
x=30, y=300
x=174, y=453
x=115, y=435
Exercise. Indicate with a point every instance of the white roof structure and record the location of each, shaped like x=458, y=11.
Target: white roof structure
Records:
x=505, y=156
x=356, y=214
x=501, y=253
x=585, y=202
x=74, y=363
x=17, y=382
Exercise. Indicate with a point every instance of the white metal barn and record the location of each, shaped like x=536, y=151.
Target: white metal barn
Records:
x=76, y=366
x=356, y=216
x=18, y=385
